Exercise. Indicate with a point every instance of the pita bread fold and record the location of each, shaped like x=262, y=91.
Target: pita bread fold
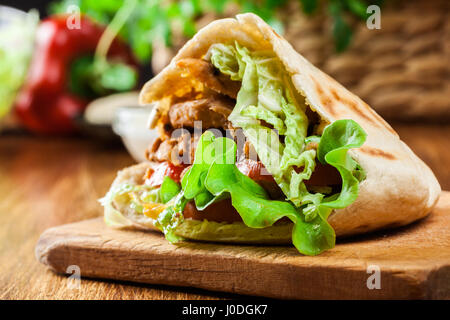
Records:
x=399, y=188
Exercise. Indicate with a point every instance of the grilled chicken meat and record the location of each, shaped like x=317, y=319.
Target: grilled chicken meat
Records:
x=177, y=150
x=212, y=112
x=211, y=78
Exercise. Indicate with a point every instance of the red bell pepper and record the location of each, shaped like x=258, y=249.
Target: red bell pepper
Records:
x=45, y=103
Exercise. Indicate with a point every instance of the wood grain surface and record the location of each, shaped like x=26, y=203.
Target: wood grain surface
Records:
x=46, y=182
x=414, y=261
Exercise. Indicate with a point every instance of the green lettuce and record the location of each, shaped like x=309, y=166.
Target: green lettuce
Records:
x=257, y=210
x=335, y=142
x=193, y=187
x=193, y=182
x=168, y=190
x=112, y=216
x=216, y=173
x=171, y=217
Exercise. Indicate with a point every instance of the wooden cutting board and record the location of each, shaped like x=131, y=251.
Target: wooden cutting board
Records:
x=411, y=262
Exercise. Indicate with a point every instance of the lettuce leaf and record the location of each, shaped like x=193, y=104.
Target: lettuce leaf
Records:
x=268, y=116
x=215, y=173
x=168, y=190
x=337, y=139
x=335, y=142
x=267, y=94
x=193, y=181
x=171, y=217
x=224, y=58
x=193, y=186
x=221, y=179
x=255, y=207
x=312, y=234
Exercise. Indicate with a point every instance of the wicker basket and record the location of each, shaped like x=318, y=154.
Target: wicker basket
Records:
x=402, y=70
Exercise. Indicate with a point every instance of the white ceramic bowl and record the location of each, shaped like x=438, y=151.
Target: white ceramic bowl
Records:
x=131, y=124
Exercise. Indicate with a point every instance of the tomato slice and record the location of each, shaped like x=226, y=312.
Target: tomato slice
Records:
x=164, y=169
x=255, y=170
x=221, y=211
x=324, y=175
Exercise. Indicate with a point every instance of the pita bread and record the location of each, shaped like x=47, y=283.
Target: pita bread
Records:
x=399, y=188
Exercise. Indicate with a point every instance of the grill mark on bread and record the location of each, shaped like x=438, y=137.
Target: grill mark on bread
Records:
x=362, y=111
x=377, y=152
x=354, y=106
x=380, y=119
x=324, y=98
x=276, y=34
x=327, y=102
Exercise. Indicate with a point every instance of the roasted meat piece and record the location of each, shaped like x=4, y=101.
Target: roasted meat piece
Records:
x=211, y=78
x=212, y=112
x=177, y=150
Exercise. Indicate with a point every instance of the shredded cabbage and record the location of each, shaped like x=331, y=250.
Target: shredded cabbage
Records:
x=266, y=94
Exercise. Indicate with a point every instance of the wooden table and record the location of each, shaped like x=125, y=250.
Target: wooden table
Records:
x=46, y=182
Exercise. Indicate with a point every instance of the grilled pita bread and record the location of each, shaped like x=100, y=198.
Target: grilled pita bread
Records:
x=398, y=189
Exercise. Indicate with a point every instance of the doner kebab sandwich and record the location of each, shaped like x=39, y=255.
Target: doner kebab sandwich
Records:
x=256, y=145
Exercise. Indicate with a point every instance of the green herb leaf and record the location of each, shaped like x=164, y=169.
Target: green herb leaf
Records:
x=342, y=32
x=217, y=5
x=358, y=7
x=89, y=80
x=189, y=28
x=81, y=75
x=118, y=77
x=309, y=6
